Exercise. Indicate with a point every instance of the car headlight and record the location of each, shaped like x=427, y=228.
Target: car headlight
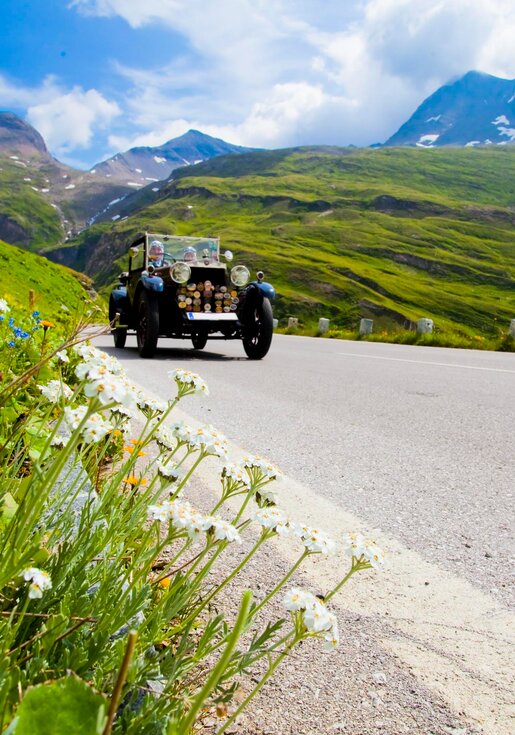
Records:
x=240, y=275
x=180, y=272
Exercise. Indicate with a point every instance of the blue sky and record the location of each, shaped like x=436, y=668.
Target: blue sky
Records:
x=99, y=76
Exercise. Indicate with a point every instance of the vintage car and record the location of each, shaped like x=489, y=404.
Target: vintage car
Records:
x=179, y=287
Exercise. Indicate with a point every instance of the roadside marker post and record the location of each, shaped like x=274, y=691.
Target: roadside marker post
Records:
x=425, y=326
x=366, y=326
x=323, y=325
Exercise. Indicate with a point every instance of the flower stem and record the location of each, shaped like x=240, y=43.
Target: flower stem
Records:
x=122, y=675
x=281, y=583
x=220, y=667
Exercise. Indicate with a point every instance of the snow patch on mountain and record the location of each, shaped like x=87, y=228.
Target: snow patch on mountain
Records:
x=508, y=132
x=427, y=141
x=434, y=118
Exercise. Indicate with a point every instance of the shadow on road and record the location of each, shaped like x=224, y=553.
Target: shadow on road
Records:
x=164, y=354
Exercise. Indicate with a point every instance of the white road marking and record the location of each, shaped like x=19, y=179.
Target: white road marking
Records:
x=428, y=362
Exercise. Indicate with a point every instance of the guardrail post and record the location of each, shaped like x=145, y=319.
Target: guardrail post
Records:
x=292, y=322
x=425, y=326
x=366, y=326
x=323, y=325
x=511, y=330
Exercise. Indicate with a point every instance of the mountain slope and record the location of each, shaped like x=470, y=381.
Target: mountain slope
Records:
x=393, y=234
x=17, y=136
x=42, y=201
x=21, y=272
x=477, y=109
x=144, y=164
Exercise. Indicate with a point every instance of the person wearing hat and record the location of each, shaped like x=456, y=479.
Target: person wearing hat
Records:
x=156, y=254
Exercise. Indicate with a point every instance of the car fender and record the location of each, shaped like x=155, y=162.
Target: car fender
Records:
x=120, y=300
x=261, y=288
x=152, y=283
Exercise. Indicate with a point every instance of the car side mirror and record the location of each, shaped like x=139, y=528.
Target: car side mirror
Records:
x=133, y=251
x=123, y=278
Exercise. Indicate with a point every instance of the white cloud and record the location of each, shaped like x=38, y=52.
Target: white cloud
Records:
x=67, y=120
x=274, y=72
x=283, y=72
x=15, y=95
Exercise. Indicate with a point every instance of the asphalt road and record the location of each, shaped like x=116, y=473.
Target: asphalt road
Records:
x=415, y=441
x=414, y=447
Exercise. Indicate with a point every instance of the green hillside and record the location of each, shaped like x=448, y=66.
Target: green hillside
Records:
x=53, y=285
x=26, y=218
x=395, y=234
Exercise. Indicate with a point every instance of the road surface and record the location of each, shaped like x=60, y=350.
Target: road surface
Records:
x=413, y=445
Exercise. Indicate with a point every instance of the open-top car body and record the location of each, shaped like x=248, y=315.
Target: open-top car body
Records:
x=179, y=287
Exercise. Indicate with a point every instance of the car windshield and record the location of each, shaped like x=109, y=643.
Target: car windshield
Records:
x=171, y=248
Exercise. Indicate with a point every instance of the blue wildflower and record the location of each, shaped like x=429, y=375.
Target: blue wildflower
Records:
x=11, y=344
x=11, y=321
x=35, y=314
x=1, y=318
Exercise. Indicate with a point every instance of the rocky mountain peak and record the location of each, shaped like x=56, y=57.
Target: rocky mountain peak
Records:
x=474, y=109
x=18, y=136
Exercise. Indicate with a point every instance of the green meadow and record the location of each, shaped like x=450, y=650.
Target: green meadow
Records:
x=23, y=272
x=390, y=234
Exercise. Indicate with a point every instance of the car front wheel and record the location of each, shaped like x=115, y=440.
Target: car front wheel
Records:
x=147, y=330
x=257, y=336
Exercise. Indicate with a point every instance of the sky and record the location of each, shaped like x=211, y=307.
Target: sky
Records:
x=96, y=77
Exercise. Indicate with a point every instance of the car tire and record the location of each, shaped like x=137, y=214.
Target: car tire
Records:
x=257, y=336
x=147, y=330
x=199, y=341
x=119, y=333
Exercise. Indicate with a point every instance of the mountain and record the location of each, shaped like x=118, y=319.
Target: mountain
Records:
x=477, y=109
x=43, y=201
x=138, y=166
x=17, y=136
x=388, y=233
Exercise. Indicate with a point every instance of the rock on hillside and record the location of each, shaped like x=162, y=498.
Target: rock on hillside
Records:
x=477, y=109
x=139, y=166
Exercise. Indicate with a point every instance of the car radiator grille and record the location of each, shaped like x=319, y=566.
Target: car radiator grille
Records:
x=206, y=297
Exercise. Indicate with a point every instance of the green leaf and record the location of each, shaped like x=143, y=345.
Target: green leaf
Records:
x=8, y=509
x=62, y=707
x=20, y=487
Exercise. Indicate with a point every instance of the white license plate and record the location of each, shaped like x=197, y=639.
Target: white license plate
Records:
x=210, y=317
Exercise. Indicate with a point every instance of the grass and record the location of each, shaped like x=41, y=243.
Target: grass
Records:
x=389, y=234
x=33, y=221
x=503, y=343
x=22, y=272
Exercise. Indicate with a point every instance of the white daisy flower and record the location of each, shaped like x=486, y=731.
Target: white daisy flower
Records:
x=95, y=428
x=225, y=531
x=315, y=541
x=62, y=356
x=55, y=391
x=170, y=470
x=74, y=416
x=39, y=582
x=188, y=382
x=297, y=599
